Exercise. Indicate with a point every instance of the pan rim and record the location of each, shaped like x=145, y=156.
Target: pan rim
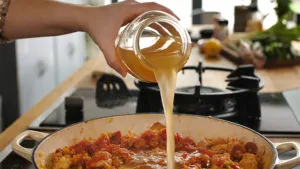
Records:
x=156, y=113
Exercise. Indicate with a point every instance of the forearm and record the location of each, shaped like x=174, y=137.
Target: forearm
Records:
x=35, y=18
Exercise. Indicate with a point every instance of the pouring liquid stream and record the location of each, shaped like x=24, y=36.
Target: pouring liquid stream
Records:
x=165, y=59
x=167, y=83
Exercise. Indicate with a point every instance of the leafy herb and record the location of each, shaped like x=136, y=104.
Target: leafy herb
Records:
x=277, y=39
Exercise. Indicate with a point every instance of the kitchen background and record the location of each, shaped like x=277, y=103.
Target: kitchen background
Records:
x=31, y=68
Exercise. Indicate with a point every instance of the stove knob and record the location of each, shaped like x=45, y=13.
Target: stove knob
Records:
x=211, y=109
x=73, y=103
x=229, y=105
x=74, y=110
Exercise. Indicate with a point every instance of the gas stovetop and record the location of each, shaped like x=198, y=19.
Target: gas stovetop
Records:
x=267, y=113
x=272, y=114
x=279, y=115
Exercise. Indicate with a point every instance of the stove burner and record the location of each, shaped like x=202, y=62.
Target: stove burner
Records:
x=240, y=101
x=193, y=90
x=202, y=90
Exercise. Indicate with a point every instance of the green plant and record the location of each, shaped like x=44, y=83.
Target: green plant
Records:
x=276, y=40
x=283, y=7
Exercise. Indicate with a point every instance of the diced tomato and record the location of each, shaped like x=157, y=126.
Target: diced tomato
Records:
x=188, y=141
x=103, y=141
x=80, y=147
x=148, y=136
x=235, y=166
x=91, y=148
x=190, y=148
x=205, y=161
x=116, y=138
x=163, y=134
x=178, y=138
x=219, y=162
x=59, y=150
x=112, y=148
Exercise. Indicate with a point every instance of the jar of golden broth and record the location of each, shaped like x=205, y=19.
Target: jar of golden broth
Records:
x=151, y=40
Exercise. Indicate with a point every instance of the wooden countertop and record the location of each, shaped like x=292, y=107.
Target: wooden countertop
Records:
x=275, y=80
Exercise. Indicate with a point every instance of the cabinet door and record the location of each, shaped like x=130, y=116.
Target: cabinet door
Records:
x=36, y=70
x=70, y=51
x=70, y=54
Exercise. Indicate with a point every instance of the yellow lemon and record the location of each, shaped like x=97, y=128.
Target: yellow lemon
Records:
x=212, y=47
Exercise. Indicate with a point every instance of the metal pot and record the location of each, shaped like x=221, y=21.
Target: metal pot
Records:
x=197, y=127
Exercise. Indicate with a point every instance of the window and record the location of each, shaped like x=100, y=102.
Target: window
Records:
x=183, y=8
x=226, y=8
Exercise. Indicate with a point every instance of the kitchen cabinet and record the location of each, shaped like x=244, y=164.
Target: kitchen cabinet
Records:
x=35, y=70
x=70, y=51
x=43, y=63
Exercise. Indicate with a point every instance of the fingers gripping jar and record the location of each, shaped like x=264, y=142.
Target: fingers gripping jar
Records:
x=147, y=39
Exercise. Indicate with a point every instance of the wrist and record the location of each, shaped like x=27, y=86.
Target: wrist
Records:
x=79, y=18
x=72, y=17
x=87, y=17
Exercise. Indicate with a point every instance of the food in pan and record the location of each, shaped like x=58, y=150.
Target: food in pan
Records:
x=148, y=151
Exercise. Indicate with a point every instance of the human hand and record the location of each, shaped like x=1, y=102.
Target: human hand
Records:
x=103, y=24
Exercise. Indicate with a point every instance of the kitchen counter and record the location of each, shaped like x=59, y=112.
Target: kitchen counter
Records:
x=275, y=80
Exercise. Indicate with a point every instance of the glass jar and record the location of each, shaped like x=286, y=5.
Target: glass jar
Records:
x=205, y=35
x=254, y=22
x=152, y=35
x=222, y=32
x=209, y=46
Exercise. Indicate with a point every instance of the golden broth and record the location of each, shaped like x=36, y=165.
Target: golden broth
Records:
x=165, y=58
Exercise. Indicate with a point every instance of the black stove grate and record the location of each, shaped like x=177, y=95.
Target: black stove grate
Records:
x=14, y=161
